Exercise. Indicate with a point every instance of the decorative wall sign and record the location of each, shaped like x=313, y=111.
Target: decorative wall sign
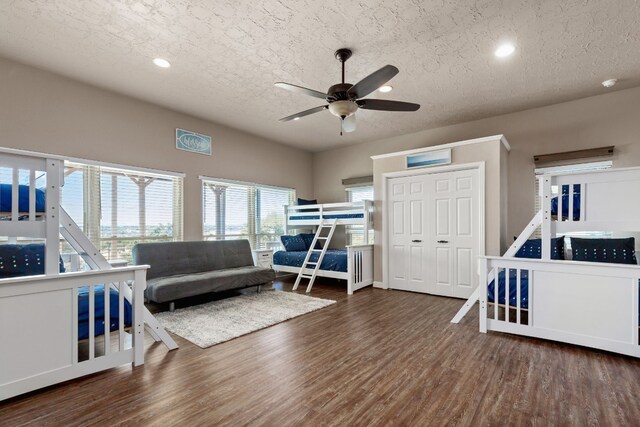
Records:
x=431, y=158
x=193, y=142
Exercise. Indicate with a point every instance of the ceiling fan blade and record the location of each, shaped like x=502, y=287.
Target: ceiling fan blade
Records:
x=304, y=113
x=373, y=81
x=386, y=105
x=349, y=123
x=300, y=89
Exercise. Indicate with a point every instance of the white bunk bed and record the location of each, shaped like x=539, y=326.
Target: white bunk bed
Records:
x=330, y=215
x=39, y=314
x=586, y=303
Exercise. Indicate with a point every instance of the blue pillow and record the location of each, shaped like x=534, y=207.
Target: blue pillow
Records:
x=618, y=251
x=293, y=243
x=532, y=248
x=304, y=202
x=308, y=240
x=23, y=260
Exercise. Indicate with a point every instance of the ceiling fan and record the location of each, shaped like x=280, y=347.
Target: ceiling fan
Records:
x=344, y=99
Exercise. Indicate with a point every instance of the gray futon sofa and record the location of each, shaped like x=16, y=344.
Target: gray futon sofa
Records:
x=185, y=269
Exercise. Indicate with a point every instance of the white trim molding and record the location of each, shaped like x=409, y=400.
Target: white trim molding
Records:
x=500, y=138
x=379, y=285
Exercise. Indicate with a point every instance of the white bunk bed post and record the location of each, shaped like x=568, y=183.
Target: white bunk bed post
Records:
x=140, y=281
x=52, y=216
x=548, y=226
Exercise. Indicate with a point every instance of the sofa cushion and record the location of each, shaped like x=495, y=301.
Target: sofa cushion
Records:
x=170, y=288
x=175, y=258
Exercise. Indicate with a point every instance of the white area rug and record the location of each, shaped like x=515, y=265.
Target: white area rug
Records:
x=219, y=321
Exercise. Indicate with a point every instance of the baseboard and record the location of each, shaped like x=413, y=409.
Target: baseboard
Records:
x=379, y=285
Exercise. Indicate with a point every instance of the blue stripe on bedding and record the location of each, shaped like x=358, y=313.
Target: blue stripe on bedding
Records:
x=6, y=198
x=565, y=203
x=513, y=296
x=334, y=259
x=334, y=216
x=83, y=311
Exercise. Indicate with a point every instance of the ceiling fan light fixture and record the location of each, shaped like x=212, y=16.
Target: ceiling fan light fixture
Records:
x=343, y=108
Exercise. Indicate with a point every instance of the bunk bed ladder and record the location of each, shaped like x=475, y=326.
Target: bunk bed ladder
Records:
x=96, y=261
x=312, y=249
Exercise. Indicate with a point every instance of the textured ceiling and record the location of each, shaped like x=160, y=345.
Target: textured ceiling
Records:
x=226, y=55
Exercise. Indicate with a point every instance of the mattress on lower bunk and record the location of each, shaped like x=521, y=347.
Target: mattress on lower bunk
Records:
x=6, y=198
x=334, y=259
x=328, y=216
x=513, y=289
x=83, y=311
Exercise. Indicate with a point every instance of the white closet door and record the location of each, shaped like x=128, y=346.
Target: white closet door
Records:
x=453, y=235
x=407, y=205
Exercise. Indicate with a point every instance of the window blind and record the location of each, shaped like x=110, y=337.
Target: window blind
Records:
x=117, y=208
x=239, y=210
x=355, y=233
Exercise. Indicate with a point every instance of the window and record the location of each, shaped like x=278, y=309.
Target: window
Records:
x=239, y=210
x=355, y=233
x=579, y=167
x=117, y=207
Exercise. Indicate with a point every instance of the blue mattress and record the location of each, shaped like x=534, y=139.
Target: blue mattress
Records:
x=565, y=203
x=513, y=296
x=334, y=259
x=334, y=216
x=23, y=198
x=83, y=311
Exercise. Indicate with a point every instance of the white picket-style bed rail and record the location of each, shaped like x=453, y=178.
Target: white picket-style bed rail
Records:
x=39, y=328
x=305, y=216
x=584, y=303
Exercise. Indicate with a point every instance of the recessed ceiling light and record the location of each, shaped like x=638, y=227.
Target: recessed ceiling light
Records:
x=162, y=63
x=504, y=50
x=610, y=83
x=385, y=88
x=296, y=118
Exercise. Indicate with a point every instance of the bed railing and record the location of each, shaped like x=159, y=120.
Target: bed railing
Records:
x=39, y=174
x=39, y=323
x=359, y=266
x=348, y=213
x=584, y=303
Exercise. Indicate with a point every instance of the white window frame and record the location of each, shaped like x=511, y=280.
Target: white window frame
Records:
x=349, y=229
x=92, y=221
x=253, y=217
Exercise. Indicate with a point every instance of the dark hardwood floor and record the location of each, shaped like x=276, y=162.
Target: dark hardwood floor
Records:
x=375, y=358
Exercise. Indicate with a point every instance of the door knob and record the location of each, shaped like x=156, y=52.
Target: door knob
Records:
x=443, y=241
x=416, y=241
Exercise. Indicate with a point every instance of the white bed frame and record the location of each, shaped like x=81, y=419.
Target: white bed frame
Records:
x=39, y=314
x=359, y=257
x=584, y=303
